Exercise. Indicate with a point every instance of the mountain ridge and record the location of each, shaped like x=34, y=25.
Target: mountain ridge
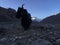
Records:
x=54, y=19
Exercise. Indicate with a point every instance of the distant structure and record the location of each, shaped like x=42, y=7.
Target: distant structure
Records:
x=24, y=16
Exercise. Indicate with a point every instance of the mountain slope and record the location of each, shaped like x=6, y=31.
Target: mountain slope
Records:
x=54, y=19
x=7, y=14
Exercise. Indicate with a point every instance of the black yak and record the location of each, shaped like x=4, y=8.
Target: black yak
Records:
x=24, y=16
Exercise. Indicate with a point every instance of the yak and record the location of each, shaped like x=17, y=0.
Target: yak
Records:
x=24, y=16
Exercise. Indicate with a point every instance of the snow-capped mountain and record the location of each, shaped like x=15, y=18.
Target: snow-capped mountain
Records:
x=35, y=19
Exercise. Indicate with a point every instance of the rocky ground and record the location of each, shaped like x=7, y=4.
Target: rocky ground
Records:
x=13, y=34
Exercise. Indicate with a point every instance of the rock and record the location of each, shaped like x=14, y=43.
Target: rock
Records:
x=58, y=42
x=41, y=42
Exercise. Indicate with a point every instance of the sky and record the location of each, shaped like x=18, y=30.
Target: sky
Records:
x=37, y=8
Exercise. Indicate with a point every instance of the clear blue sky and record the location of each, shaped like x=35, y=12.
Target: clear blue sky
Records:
x=37, y=8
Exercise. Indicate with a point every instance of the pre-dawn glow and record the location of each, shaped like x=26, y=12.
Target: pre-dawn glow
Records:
x=37, y=8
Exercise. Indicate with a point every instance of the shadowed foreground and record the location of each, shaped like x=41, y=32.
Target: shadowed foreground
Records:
x=14, y=35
